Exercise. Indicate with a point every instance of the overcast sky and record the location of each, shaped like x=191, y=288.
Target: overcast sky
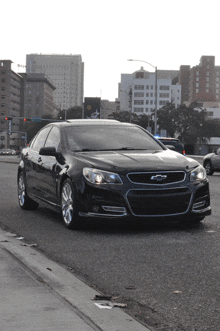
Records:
x=165, y=33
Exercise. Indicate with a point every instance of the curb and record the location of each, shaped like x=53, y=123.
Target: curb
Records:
x=67, y=287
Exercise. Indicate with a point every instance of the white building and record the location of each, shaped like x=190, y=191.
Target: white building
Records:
x=137, y=91
x=66, y=73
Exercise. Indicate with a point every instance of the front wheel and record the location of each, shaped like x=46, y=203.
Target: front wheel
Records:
x=208, y=168
x=24, y=201
x=69, y=205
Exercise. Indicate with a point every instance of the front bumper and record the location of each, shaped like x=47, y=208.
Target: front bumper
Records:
x=128, y=201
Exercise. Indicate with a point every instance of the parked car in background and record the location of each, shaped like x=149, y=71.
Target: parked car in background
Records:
x=176, y=143
x=211, y=162
x=108, y=169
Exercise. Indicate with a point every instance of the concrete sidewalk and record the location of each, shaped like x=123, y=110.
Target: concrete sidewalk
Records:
x=36, y=294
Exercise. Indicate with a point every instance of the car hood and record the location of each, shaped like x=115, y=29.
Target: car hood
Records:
x=122, y=161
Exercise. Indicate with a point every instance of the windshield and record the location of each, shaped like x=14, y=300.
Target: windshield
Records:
x=96, y=138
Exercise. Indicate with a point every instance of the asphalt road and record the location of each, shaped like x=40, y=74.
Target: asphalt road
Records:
x=168, y=275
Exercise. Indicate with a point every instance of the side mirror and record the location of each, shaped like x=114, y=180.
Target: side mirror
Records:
x=48, y=151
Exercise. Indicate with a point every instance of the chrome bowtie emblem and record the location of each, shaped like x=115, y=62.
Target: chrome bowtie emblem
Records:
x=159, y=178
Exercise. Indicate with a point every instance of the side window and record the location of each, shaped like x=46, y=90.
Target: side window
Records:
x=53, y=139
x=40, y=139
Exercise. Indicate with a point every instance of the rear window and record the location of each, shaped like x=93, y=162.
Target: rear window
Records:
x=176, y=143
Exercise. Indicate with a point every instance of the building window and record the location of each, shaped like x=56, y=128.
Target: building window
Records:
x=147, y=102
x=197, y=73
x=163, y=102
x=138, y=102
x=164, y=87
x=3, y=72
x=147, y=87
x=207, y=73
x=139, y=87
x=197, y=79
x=217, y=79
x=217, y=85
x=3, y=88
x=2, y=104
x=146, y=110
x=151, y=87
x=164, y=95
x=207, y=90
x=197, y=84
x=139, y=94
x=3, y=97
x=210, y=113
x=3, y=80
x=197, y=90
x=147, y=94
x=207, y=84
x=207, y=79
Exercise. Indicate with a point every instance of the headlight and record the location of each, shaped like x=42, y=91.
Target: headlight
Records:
x=96, y=176
x=198, y=173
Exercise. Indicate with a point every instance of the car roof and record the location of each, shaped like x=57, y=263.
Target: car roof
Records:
x=88, y=122
x=165, y=138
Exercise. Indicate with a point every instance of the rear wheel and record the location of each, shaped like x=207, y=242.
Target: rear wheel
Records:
x=208, y=168
x=69, y=205
x=24, y=201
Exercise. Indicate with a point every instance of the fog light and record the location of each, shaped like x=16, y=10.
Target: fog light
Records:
x=114, y=209
x=198, y=204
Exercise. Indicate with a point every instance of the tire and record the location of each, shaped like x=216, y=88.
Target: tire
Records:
x=69, y=210
x=24, y=201
x=208, y=168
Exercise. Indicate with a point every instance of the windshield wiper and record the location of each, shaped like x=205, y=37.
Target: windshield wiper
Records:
x=85, y=150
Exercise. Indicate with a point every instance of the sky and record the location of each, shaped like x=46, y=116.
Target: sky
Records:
x=164, y=33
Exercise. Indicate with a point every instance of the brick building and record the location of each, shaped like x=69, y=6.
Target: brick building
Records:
x=200, y=83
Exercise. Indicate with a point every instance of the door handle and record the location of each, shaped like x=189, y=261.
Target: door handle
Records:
x=39, y=160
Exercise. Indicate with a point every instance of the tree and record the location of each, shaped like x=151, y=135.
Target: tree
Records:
x=189, y=124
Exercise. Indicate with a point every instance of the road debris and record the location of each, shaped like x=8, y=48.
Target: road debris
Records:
x=177, y=292
x=102, y=297
x=29, y=245
x=110, y=305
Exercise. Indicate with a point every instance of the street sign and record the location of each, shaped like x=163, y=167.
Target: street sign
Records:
x=36, y=119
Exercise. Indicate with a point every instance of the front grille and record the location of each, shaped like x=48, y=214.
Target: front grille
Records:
x=157, y=178
x=159, y=202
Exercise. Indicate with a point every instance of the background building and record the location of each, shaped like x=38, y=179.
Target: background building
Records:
x=10, y=104
x=137, y=91
x=65, y=71
x=38, y=96
x=200, y=83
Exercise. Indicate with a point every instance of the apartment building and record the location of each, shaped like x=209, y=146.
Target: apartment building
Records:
x=65, y=71
x=37, y=95
x=137, y=91
x=202, y=82
x=10, y=104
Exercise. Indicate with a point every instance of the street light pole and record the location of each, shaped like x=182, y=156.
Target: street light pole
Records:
x=155, y=117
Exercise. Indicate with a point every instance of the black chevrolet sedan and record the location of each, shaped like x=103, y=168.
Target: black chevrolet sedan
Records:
x=109, y=169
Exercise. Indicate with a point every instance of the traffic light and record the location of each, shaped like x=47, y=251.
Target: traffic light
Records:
x=8, y=118
x=27, y=119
